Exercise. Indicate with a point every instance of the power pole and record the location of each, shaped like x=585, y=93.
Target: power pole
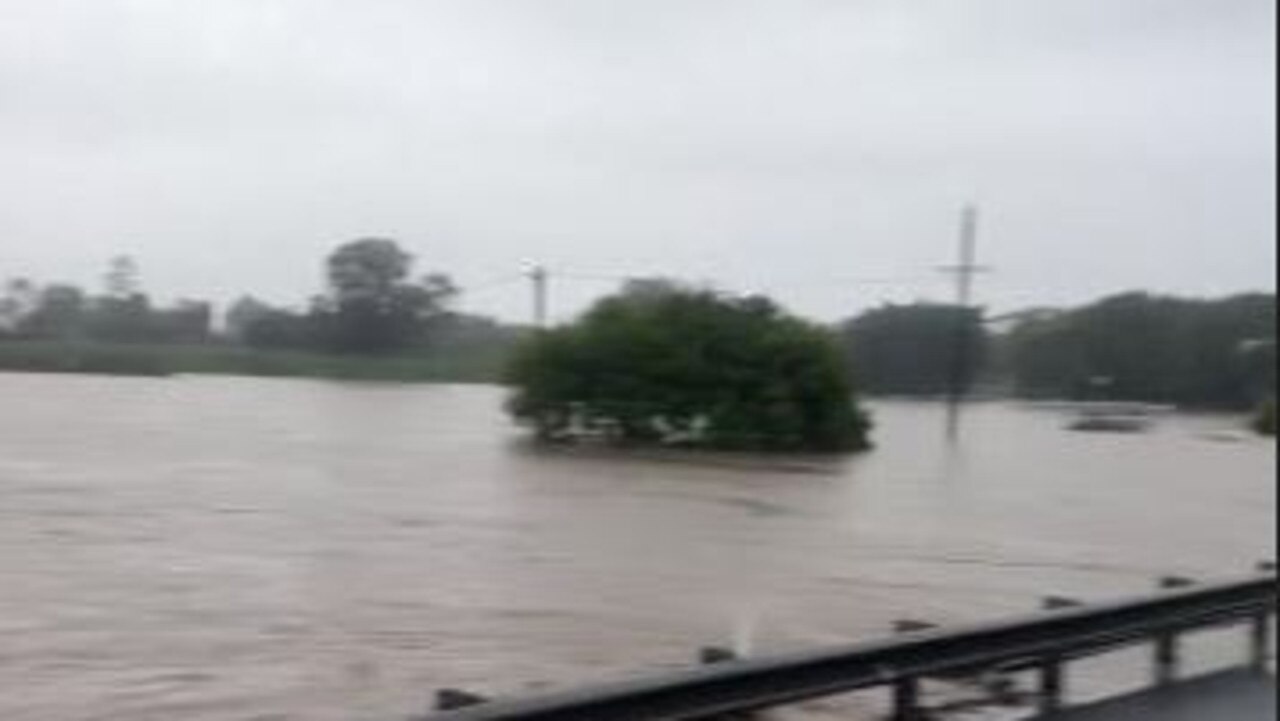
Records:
x=538, y=276
x=965, y=269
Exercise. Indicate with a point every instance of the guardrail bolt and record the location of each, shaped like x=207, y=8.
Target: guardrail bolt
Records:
x=1054, y=603
x=1267, y=566
x=448, y=699
x=1172, y=582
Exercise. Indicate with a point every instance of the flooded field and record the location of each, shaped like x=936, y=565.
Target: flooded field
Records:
x=217, y=548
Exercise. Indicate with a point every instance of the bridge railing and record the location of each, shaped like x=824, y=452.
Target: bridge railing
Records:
x=1041, y=643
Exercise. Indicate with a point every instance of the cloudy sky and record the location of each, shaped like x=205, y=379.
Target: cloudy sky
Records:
x=798, y=147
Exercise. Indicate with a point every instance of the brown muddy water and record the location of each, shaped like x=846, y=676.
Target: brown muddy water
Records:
x=217, y=548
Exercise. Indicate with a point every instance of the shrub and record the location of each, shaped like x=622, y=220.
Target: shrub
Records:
x=663, y=364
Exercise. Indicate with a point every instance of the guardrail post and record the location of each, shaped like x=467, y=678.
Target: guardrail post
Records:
x=709, y=656
x=906, y=691
x=1260, y=640
x=1166, y=671
x=1052, y=676
x=1260, y=630
x=906, y=700
x=1166, y=656
x=1049, y=699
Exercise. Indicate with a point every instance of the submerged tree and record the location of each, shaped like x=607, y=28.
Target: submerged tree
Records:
x=664, y=364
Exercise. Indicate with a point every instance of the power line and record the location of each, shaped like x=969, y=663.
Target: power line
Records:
x=539, y=277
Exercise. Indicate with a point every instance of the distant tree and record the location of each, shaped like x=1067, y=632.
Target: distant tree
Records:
x=918, y=349
x=372, y=306
x=279, y=328
x=1138, y=346
x=367, y=270
x=125, y=319
x=261, y=325
x=671, y=365
x=188, y=321
x=121, y=278
x=18, y=300
x=61, y=311
x=123, y=312
x=243, y=313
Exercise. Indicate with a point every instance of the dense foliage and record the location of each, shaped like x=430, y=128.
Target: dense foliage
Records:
x=121, y=313
x=1151, y=348
x=918, y=349
x=371, y=306
x=662, y=364
x=383, y=322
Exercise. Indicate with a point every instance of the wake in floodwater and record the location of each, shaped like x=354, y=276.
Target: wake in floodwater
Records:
x=746, y=624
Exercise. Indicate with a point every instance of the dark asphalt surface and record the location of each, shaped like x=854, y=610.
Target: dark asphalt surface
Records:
x=1231, y=696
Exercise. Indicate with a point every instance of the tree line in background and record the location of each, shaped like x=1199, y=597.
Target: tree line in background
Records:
x=371, y=306
x=1152, y=348
x=121, y=313
x=1134, y=346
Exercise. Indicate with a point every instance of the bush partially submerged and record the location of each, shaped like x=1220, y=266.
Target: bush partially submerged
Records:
x=667, y=365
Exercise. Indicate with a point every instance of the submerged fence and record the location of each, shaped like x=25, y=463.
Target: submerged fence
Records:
x=1042, y=644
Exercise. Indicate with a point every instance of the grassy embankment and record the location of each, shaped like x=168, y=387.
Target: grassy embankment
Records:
x=478, y=366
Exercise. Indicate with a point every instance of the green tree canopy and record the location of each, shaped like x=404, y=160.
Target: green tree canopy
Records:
x=60, y=312
x=1138, y=346
x=372, y=306
x=664, y=364
x=917, y=349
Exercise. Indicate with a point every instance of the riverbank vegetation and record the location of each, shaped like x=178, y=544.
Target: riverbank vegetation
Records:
x=1142, y=347
x=475, y=365
x=921, y=349
x=374, y=321
x=660, y=364
x=376, y=317
x=1131, y=347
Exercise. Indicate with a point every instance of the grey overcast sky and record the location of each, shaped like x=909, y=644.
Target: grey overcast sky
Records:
x=795, y=147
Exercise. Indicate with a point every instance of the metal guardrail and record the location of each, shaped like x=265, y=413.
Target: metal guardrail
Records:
x=1042, y=642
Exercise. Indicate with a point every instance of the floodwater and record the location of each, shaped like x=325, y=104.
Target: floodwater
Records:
x=220, y=548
